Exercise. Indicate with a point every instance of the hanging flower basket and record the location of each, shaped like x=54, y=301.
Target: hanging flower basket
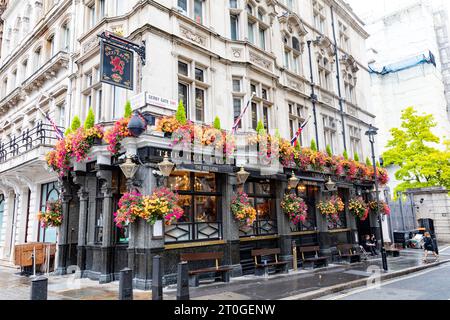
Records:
x=161, y=205
x=331, y=208
x=295, y=208
x=52, y=217
x=242, y=209
x=359, y=208
x=384, y=207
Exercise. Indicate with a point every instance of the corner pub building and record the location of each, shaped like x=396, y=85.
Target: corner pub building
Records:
x=212, y=62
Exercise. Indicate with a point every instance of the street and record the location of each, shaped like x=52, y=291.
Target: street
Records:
x=432, y=284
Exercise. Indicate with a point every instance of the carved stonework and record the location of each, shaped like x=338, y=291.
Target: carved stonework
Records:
x=260, y=61
x=325, y=48
x=193, y=36
x=90, y=44
x=349, y=64
x=295, y=84
x=237, y=52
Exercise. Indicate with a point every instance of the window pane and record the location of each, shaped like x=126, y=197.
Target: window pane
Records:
x=266, y=118
x=251, y=37
x=233, y=3
x=236, y=85
x=180, y=181
x=182, y=4
x=199, y=75
x=198, y=11
x=262, y=39
x=234, y=27
x=254, y=116
x=263, y=208
x=183, y=96
x=183, y=68
x=199, y=104
x=205, y=209
x=237, y=110
x=185, y=201
x=262, y=188
x=205, y=182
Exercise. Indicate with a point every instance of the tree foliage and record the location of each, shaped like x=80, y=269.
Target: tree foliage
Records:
x=356, y=157
x=181, y=113
x=76, y=123
x=217, y=123
x=90, y=119
x=260, y=128
x=412, y=149
x=313, y=145
x=368, y=162
x=128, y=110
x=330, y=154
x=345, y=155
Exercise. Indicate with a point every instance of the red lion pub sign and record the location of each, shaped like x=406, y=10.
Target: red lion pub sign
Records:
x=116, y=65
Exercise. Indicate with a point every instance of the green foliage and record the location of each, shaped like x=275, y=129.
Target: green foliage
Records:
x=330, y=154
x=67, y=132
x=90, y=119
x=378, y=165
x=181, y=113
x=298, y=147
x=128, y=110
x=76, y=123
x=313, y=145
x=368, y=162
x=345, y=155
x=277, y=134
x=217, y=123
x=412, y=149
x=356, y=157
x=260, y=128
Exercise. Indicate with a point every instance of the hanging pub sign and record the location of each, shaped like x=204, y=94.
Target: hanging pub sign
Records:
x=116, y=65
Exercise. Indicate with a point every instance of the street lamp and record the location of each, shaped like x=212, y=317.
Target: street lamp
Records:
x=293, y=181
x=166, y=167
x=371, y=133
x=330, y=185
x=242, y=176
x=129, y=169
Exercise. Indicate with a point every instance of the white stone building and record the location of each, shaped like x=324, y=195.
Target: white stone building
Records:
x=402, y=36
x=210, y=54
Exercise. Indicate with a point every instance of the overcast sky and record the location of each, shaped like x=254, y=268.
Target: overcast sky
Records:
x=373, y=8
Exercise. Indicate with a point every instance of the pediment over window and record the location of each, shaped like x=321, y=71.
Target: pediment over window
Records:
x=326, y=49
x=349, y=64
x=293, y=31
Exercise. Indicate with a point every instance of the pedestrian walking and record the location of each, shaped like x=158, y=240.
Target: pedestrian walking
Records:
x=429, y=246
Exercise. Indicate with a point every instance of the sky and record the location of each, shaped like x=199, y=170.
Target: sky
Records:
x=376, y=8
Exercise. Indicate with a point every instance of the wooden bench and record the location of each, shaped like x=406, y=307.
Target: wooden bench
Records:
x=316, y=260
x=392, y=250
x=262, y=267
x=223, y=272
x=348, y=252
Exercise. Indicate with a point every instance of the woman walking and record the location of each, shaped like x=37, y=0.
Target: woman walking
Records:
x=428, y=245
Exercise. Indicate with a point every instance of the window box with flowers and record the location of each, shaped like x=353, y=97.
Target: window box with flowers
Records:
x=384, y=208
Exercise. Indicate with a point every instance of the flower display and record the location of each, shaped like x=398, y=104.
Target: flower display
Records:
x=242, y=209
x=331, y=208
x=384, y=207
x=114, y=136
x=295, y=208
x=160, y=205
x=52, y=217
x=167, y=124
x=359, y=208
x=383, y=176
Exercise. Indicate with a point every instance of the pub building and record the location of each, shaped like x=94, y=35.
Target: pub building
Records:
x=90, y=240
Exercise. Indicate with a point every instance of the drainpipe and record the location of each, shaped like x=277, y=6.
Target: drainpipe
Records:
x=313, y=94
x=71, y=63
x=338, y=77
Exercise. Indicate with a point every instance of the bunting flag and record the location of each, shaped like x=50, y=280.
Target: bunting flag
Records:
x=297, y=135
x=239, y=119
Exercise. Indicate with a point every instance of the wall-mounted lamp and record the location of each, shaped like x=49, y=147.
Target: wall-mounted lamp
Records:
x=166, y=167
x=293, y=181
x=242, y=176
x=330, y=185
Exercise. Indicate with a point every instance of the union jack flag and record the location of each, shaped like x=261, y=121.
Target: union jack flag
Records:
x=297, y=135
x=59, y=133
x=238, y=119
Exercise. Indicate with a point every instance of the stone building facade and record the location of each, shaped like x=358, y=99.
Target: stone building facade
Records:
x=211, y=55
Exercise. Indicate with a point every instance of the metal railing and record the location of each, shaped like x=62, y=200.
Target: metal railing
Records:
x=259, y=228
x=41, y=135
x=193, y=231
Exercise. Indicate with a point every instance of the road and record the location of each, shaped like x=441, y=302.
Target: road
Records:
x=432, y=284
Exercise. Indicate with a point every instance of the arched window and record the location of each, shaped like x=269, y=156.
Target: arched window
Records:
x=51, y=46
x=49, y=193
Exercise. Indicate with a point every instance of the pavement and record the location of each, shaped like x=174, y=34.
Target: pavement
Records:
x=302, y=284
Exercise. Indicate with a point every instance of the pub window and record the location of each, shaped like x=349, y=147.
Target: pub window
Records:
x=98, y=233
x=119, y=184
x=200, y=198
x=309, y=194
x=49, y=193
x=262, y=198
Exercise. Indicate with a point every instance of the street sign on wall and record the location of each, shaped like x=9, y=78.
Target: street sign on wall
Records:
x=116, y=65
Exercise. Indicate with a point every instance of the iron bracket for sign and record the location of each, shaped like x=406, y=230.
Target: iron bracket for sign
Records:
x=125, y=43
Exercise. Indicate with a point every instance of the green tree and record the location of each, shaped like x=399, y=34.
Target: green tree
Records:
x=181, y=113
x=90, y=119
x=345, y=155
x=76, y=123
x=368, y=162
x=313, y=145
x=67, y=132
x=260, y=128
x=217, y=123
x=356, y=157
x=412, y=149
x=329, y=152
x=128, y=110
x=277, y=134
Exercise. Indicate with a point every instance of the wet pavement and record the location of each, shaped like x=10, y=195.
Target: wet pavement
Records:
x=13, y=286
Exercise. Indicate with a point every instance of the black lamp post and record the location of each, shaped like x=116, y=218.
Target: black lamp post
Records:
x=371, y=133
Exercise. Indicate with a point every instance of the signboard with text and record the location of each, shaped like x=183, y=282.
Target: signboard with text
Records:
x=116, y=65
